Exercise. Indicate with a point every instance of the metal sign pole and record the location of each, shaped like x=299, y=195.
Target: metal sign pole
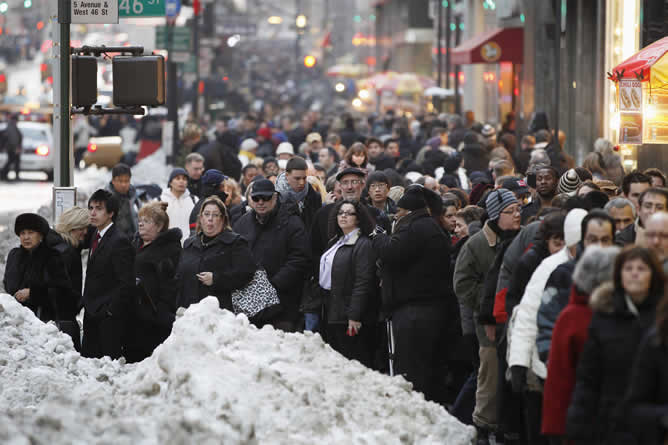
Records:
x=62, y=121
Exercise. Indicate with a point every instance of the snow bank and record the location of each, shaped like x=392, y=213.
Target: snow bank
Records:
x=216, y=379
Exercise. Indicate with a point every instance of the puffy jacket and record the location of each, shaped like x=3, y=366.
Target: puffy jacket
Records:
x=353, y=291
x=647, y=400
x=555, y=298
x=179, y=210
x=595, y=415
x=281, y=247
x=522, y=330
x=227, y=256
x=413, y=259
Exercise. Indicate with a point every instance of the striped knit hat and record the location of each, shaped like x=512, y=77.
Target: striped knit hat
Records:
x=497, y=200
x=569, y=182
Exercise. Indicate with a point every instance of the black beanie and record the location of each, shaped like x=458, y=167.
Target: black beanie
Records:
x=31, y=221
x=413, y=198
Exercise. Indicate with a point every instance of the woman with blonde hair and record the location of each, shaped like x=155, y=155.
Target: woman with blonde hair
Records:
x=318, y=186
x=216, y=261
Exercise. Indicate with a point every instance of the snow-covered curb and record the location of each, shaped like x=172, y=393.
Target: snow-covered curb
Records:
x=216, y=379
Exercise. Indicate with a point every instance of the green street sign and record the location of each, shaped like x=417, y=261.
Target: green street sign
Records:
x=180, y=42
x=141, y=8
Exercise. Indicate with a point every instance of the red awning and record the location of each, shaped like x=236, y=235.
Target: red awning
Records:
x=642, y=61
x=498, y=45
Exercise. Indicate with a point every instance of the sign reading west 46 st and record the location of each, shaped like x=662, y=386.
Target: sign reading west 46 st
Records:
x=141, y=8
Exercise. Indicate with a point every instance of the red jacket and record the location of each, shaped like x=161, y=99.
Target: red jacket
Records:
x=568, y=339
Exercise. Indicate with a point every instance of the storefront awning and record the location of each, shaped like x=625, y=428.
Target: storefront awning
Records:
x=498, y=45
x=647, y=64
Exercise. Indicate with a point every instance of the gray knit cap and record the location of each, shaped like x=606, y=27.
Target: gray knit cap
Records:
x=497, y=200
x=594, y=267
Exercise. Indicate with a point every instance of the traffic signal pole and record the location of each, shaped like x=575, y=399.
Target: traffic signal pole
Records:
x=62, y=124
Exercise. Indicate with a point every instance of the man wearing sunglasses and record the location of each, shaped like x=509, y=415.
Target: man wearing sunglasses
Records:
x=278, y=240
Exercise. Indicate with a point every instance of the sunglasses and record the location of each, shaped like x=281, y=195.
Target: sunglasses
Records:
x=261, y=198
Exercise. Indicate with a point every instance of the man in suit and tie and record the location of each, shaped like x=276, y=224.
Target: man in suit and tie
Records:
x=110, y=280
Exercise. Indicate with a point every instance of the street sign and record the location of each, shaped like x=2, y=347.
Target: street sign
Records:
x=141, y=8
x=180, y=40
x=94, y=11
x=172, y=8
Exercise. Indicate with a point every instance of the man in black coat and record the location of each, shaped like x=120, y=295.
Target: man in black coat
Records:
x=279, y=243
x=110, y=280
x=218, y=156
x=13, y=142
x=415, y=288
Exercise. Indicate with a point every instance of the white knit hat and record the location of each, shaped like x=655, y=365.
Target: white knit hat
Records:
x=573, y=226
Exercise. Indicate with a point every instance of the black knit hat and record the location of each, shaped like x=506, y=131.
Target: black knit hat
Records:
x=176, y=172
x=413, y=198
x=31, y=221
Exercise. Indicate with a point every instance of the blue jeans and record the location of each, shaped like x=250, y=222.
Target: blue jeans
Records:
x=311, y=322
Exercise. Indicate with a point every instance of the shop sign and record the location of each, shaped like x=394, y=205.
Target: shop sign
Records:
x=490, y=52
x=630, y=112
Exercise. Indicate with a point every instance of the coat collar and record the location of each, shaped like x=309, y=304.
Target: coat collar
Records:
x=490, y=235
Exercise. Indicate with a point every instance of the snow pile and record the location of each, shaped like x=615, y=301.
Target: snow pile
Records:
x=214, y=380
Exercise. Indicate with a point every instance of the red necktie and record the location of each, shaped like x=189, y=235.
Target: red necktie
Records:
x=95, y=242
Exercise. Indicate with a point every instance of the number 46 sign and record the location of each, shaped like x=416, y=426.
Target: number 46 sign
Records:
x=141, y=8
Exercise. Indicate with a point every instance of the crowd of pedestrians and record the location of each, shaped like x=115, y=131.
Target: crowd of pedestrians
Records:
x=522, y=292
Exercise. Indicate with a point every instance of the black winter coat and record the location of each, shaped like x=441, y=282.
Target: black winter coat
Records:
x=68, y=307
x=526, y=266
x=43, y=272
x=647, y=398
x=354, y=286
x=626, y=236
x=219, y=157
x=281, y=247
x=595, y=415
x=155, y=272
x=413, y=259
x=227, y=256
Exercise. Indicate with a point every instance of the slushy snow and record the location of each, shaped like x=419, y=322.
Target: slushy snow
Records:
x=215, y=380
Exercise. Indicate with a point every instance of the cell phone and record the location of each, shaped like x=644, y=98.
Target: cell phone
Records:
x=531, y=180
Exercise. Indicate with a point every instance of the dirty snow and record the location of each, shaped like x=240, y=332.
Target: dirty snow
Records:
x=215, y=380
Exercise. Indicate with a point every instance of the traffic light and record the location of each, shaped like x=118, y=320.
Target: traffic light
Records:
x=310, y=61
x=84, y=81
x=3, y=83
x=139, y=80
x=44, y=71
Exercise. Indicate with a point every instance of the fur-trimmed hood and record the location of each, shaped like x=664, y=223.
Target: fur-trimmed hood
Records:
x=603, y=298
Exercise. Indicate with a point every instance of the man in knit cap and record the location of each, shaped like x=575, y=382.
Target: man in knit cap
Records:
x=414, y=286
x=472, y=267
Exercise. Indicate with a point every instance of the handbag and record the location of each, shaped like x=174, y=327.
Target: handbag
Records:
x=258, y=300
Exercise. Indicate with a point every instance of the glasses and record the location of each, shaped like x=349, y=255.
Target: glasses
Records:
x=207, y=215
x=344, y=213
x=350, y=182
x=261, y=198
x=663, y=236
x=379, y=186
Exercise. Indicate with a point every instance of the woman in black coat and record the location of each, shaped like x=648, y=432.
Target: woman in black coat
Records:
x=621, y=318
x=215, y=261
x=157, y=254
x=35, y=274
x=348, y=281
x=647, y=398
x=67, y=239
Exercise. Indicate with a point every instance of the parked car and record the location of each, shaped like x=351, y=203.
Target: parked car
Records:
x=103, y=151
x=37, y=154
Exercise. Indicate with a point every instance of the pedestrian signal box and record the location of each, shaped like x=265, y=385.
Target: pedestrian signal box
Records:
x=139, y=80
x=84, y=81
